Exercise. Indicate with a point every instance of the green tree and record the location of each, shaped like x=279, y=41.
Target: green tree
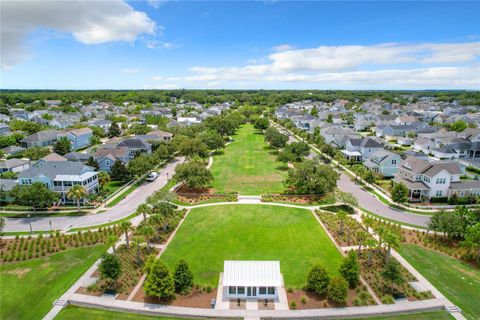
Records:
x=261, y=124
x=92, y=163
x=278, y=141
x=111, y=241
x=299, y=150
x=193, y=174
x=359, y=171
x=213, y=140
x=144, y=209
x=342, y=216
x=119, y=171
x=147, y=232
x=140, y=165
x=126, y=227
x=310, y=178
x=183, y=278
x=347, y=198
x=318, y=279
x=285, y=156
x=338, y=289
x=328, y=150
x=159, y=282
x=399, y=193
x=459, y=126
x=330, y=118
x=350, y=269
x=392, y=274
x=370, y=243
x=36, y=195
x=110, y=268
x=103, y=179
x=36, y=153
x=62, y=146
x=114, y=130
x=472, y=239
x=392, y=240
x=77, y=193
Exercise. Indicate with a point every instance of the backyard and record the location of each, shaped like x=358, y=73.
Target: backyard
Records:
x=457, y=280
x=30, y=287
x=211, y=235
x=247, y=166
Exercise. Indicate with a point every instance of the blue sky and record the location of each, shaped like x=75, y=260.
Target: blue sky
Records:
x=272, y=44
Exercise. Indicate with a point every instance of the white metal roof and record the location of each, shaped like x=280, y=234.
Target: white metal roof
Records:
x=252, y=273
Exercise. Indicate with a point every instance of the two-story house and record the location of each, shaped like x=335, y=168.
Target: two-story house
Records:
x=359, y=149
x=383, y=162
x=136, y=146
x=60, y=176
x=80, y=138
x=434, y=179
x=106, y=157
x=40, y=139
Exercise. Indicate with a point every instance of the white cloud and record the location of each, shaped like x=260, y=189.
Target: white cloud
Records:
x=157, y=44
x=156, y=3
x=283, y=47
x=426, y=65
x=130, y=70
x=90, y=22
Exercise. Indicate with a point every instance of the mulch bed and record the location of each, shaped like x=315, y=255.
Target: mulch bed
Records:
x=196, y=299
x=313, y=301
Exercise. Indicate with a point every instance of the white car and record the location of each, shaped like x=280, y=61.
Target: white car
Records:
x=152, y=176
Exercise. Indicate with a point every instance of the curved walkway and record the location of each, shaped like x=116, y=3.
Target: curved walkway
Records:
x=122, y=210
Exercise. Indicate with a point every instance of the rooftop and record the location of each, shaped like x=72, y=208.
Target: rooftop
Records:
x=252, y=273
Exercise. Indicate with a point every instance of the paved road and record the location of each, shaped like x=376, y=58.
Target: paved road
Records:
x=371, y=203
x=123, y=209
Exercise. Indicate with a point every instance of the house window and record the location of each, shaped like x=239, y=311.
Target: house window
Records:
x=394, y=161
x=232, y=290
x=441, y=180
x=439, y=193
x=271, y=290
x=262, y=290
x=57, y=183
x=240, y=290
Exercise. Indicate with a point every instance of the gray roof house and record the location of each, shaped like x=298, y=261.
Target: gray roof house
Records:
x=60, y=176
x=357, y=149
x=136, y=146
x=383, y=162
x=40, y=139
x=14, y=165
x=12, y=150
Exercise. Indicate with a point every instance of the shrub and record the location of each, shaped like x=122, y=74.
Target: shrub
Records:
x=318, y=279
x=159, y=282
x=293, y=305
x=350, y=269
x=183, y=278
x=338, y=289
x=303, y=300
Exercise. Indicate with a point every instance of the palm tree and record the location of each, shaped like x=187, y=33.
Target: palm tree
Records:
x=342, y=215
x=103, y=178
x=392, y=240
x=77, y=193
x=370, y=244
x=138, y=243
x=126, y=226
x=144, y=209
x=368, y=222
x=111, y=240
x=147, y=232
x=361, y=236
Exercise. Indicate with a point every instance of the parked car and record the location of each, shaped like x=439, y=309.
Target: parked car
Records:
x=152, y=176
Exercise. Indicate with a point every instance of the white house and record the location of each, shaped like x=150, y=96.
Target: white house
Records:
x=251, y=279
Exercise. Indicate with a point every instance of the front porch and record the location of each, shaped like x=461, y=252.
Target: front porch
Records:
x=354, y=156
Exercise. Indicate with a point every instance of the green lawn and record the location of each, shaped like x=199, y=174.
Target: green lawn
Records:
x=247, y=167
x=76, y=313
x=458, y=281
x=211, y=235
x=29, y=288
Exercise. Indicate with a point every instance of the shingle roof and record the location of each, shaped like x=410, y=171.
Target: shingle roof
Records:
x=53, y=157
x=115, y=152
x=370, y=143
x=53, y=168
x=7, y=184
x=77, y=156
x=81, y=131
x=134, y=143
x=12, y=163
x=450, y=167
x=42, y=136
x=468, y=184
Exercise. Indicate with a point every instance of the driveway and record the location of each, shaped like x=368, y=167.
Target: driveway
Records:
x=123, y=209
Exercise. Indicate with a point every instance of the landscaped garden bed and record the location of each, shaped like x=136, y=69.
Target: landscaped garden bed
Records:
x=197, y=298
x=373, y=264
x=352, y=233
x=194, y=198
x=25, y=248
x=162, y=225
x=300, y=199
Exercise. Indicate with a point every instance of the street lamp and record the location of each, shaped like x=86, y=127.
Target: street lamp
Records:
x=30, y=224
x=167, y=176
x=50, y=222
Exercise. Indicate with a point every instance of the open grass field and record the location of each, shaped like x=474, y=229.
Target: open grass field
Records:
x=457, y=280
x=211, y=235
x=29, y=288
x=75, y=313
x=247, y=166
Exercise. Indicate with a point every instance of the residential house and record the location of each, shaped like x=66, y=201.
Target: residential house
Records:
x=359, y=149
x=80, y=138
x=106, y=157
x=60, y=176
x=433, y=179
x=424, y=145
x=4, y=128
x=40, y=139
x=52, y=157
x=14, y=165
x=136, y=146
x=77, y=156
x=471, y=134
x=104, y=124
x=445, y=153
x=156, y=135
x=12, y=150
x=383, y=162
